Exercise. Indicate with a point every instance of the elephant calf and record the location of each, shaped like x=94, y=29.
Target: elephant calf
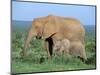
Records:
x=62, y=46
x=74, y=48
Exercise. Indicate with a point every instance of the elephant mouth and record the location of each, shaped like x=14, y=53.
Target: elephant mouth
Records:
x=38, y=37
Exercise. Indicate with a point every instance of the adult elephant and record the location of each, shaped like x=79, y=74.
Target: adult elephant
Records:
x=51, y=28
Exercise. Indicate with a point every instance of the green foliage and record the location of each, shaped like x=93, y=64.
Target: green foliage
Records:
x=91, y=45
x=91, y=51
x=36, y=60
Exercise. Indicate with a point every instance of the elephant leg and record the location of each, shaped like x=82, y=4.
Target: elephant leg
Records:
x=49, y=47
x=61, y=52
x=78, y=49
x=83, y=53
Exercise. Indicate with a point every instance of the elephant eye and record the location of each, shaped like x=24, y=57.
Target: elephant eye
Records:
x=36, y=27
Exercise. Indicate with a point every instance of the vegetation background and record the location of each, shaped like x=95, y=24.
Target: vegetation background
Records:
x=36, y=52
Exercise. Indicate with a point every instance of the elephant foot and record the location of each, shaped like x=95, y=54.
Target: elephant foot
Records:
x=82, y=59
x=49, y=58
x=23, y=54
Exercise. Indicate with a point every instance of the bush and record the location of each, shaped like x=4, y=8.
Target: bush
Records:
x=91, y=60
x=91, y=46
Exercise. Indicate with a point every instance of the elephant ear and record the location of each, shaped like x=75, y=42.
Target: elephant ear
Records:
x=50, y=28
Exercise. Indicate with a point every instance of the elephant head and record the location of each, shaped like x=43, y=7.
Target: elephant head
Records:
x=41, y=28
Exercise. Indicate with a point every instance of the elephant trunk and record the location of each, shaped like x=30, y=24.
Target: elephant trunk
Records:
x=29, y=38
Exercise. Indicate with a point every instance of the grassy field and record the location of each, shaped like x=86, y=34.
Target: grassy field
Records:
x=36, y=52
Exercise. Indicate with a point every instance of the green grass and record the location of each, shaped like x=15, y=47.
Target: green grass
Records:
x=36, y=51
x=23, y=67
